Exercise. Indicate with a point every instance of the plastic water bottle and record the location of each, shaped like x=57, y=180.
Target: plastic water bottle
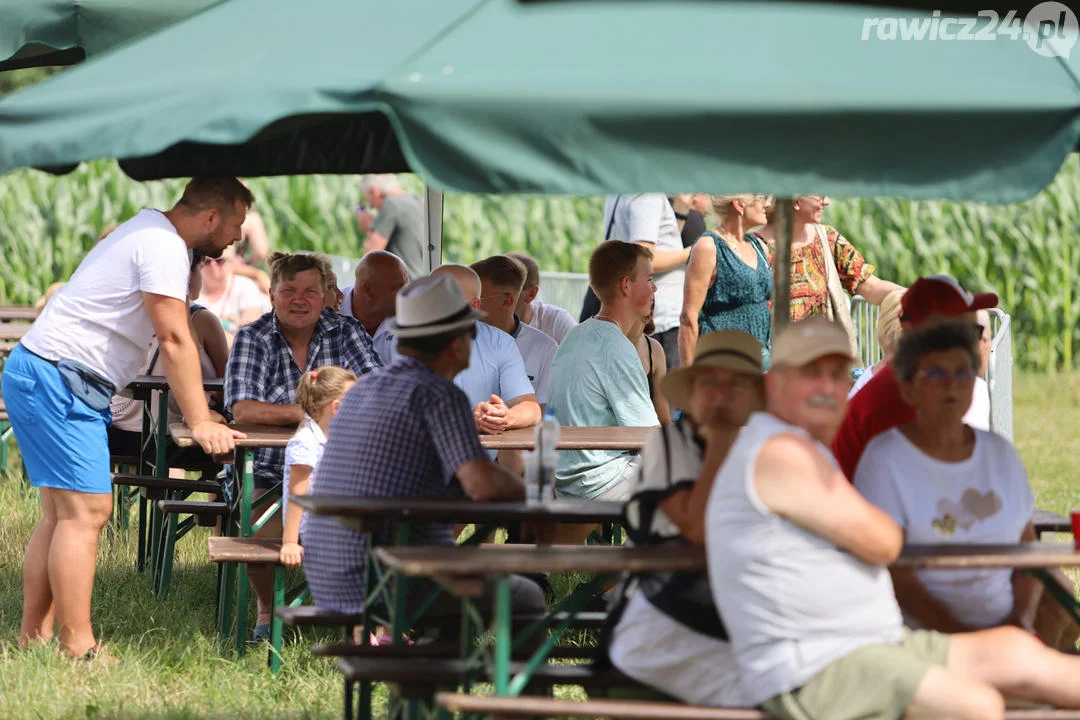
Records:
x=546, y=455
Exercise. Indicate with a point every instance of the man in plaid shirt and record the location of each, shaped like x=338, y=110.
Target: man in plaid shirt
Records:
x=408, y=432
x=265, y=364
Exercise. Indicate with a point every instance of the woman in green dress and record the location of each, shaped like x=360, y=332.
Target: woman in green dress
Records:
x=728, y=278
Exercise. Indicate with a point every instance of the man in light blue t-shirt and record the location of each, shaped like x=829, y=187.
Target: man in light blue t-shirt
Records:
x=495, y=381
x=597, y=379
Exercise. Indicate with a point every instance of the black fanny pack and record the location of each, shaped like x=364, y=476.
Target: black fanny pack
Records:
x=85, y=384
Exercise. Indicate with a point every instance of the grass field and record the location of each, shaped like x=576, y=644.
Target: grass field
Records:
x=172, y=669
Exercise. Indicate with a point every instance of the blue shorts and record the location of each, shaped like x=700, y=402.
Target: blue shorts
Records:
x=63, y=442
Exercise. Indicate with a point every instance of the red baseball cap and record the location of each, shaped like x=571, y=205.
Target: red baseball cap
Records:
x=941, y=295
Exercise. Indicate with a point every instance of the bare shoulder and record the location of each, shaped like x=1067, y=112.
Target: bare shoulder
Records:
x=788, y=456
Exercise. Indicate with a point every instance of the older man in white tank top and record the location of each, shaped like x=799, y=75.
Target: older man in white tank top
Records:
x=798, y=567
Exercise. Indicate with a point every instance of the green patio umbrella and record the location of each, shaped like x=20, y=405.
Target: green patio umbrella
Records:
x=36, y=33
x=578, y=98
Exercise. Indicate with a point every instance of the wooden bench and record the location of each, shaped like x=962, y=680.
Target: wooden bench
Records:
x=527, y=706
x=18, y=312
x=645, y=709
x=418, y=680
x=155, y=487
x=252, y=551
x=202, y=514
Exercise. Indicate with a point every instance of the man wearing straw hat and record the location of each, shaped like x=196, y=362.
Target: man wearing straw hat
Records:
x=667, y=633
x=408, y=431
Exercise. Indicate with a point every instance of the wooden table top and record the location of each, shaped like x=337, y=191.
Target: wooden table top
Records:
x=453, y=561
x=1020, y=556
x=142, y=386
x=572, y=438
x=465, y=562
x=258, y=436
x=459, y=511
x=1046, y=521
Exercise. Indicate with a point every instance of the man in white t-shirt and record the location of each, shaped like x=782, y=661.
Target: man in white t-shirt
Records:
x=379, y=276
x=647, y=219
x=551, y=320
x=495, y=381
x=90, y=341
x=501, y=278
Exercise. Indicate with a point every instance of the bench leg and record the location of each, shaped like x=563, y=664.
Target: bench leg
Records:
x=168, y=551
x=276, y=625
x=348, y=712
x=241, y=613
x=140, y=558
x=226, y=619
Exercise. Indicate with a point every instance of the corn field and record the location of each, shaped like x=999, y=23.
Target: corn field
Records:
x=1027, y=253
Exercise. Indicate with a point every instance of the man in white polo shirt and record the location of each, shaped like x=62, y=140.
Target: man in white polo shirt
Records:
x=90, y=341
x=379, y=276
x=551, y=320
x=501, y=278
x=495, y=381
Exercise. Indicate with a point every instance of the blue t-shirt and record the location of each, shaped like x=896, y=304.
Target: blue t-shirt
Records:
x=597, y=380
x=495, y=367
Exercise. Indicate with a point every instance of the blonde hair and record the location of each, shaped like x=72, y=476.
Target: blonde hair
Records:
x=721, y=204
x=888, y=327
x=319, y=387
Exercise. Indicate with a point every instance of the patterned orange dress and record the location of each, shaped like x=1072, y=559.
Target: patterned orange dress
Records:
x=809, y=279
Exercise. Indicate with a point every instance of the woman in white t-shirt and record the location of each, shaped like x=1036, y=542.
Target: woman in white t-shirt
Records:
x=945, y=482
x=235, y=299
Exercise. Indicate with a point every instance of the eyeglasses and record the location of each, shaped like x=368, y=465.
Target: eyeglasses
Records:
x=937, y=376
x=494, y=295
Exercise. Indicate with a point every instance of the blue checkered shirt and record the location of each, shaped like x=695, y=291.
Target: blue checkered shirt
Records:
x=261, y=367
x=403, y=432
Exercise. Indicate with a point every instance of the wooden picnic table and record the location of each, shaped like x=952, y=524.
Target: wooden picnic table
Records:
x=258, y=436
x=1046, y=521
x=354, y=510
x=465, y=571
x=571, y=438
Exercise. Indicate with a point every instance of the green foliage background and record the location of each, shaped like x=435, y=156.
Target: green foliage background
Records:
x=1027, y=252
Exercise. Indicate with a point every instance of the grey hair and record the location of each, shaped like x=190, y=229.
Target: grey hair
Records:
x=384, y=183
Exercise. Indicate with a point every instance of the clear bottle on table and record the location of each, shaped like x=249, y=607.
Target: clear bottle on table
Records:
x=544, y=459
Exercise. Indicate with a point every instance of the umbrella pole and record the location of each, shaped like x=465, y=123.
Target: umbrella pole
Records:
x=782, y=265
x=433, y=206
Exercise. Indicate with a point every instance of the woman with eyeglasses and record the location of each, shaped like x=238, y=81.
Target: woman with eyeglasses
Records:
x=728, y=281
x=235, y=299
x=945, y=482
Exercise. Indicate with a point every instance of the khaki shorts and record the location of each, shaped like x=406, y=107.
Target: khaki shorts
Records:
x=877, y=681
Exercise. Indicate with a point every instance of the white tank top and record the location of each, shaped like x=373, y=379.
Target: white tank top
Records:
x=792, y=601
